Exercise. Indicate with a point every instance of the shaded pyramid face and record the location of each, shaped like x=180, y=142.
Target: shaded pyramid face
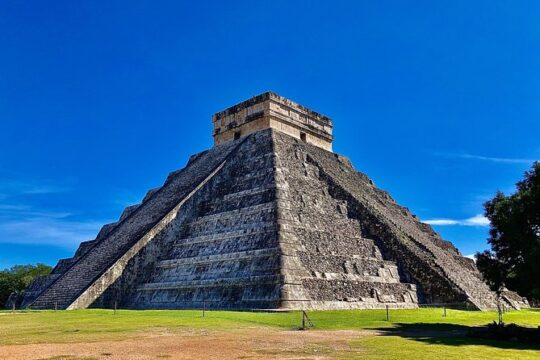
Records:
x=264, y=222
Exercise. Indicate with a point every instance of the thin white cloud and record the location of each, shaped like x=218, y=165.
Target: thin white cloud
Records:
x=471, y=257
x=45, y=189
x=441, y=222
x=15, y=187
x=502, y=160
x=477, y=220
x=22, y=222
x=23, y=211
x=25, y=224
x=13, y=207
x=48, y=231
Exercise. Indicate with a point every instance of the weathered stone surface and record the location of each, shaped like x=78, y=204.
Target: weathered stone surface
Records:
x=269, y=110
x=264, y=222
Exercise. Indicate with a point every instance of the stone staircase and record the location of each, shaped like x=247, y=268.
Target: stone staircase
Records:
x=226, y=254
x=114, y=240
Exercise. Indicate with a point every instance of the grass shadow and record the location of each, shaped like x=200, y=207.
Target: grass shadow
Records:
x=450, y=335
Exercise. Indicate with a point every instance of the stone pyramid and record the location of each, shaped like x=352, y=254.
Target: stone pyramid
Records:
x=269, y=218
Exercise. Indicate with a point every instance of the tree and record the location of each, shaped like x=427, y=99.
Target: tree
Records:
x=514, y=259
x=18, y=278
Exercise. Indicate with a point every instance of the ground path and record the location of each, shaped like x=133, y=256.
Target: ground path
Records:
x=254, y=343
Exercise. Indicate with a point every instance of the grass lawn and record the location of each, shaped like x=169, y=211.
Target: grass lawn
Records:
x=418, y=333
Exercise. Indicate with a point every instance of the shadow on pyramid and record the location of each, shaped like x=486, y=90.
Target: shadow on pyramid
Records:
x=269, y=218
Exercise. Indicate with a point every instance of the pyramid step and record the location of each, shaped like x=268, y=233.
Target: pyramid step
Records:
x=84, y=247
x=347, y=262
x=325, y=290
x=247, y=179
x=257, y=240
x=228, y=202
x=323, y=242
x=150, y=193
x=242, y=214
x=221, y=282
x=128, y=211
x=106, y=230
x=63, y=265
x=233, y=256
x=385, y=278
x=226, y=235
x=307, y=232
x=218, y=270
x=241, y=195
x=223, y=228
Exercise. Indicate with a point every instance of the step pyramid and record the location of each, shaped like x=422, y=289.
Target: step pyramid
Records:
x=269, y=218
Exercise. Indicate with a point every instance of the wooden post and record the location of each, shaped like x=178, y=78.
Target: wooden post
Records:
x=203, y=307
x=306, y=321
x=387, y=314
x=115, y=306
x=13, y=308
x=55, y=306
x=444, y=310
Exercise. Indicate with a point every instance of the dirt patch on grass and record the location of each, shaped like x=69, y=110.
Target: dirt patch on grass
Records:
x=254, y=343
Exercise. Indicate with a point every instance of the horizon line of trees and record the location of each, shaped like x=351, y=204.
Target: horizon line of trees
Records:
x=18, y=277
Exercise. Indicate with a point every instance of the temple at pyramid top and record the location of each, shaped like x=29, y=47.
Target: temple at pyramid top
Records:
x=269, y=110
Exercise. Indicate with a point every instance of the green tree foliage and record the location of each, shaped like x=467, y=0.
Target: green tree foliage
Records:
x=18, y=278
x=514, y=258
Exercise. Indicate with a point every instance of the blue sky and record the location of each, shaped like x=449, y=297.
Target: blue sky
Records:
x=438, y=102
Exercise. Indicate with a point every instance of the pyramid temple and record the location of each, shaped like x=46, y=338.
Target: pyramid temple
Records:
x=269, y=218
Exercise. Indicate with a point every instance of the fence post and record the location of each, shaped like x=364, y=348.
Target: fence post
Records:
x=444, y=310
x=13, y=308
x=55, y=306
x=387, y=314
x=306, y=321
x=203, y=308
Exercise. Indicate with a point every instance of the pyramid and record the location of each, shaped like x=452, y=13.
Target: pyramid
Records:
x=269, y=218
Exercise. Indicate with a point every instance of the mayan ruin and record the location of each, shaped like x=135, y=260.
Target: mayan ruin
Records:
x=269, y=218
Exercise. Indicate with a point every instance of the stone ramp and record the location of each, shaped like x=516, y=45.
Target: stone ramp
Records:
x=225, y=252
x=115, y=241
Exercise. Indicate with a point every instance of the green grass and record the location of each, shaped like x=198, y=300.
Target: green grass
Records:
x=447, y=348
x=418, y=333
